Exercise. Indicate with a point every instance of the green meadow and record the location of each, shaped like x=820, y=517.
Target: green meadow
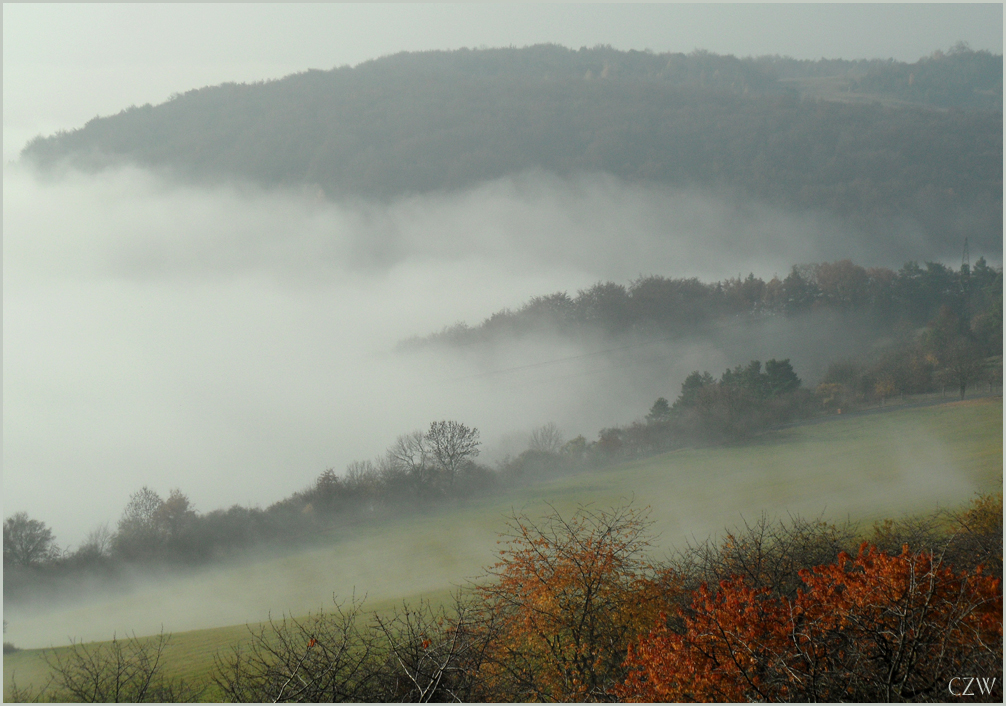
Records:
x=859, y=467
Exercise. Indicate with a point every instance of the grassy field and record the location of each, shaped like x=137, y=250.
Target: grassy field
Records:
x=861, y=467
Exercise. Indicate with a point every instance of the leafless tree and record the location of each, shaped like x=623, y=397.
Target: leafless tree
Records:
x=130, y=671
x=409, y=454
x=433, y=655
x=977, y=535
x=98, y=541
x=326, y=657
x=361, y=474
x=546, y=438
x=766, y=553
x=452, y=444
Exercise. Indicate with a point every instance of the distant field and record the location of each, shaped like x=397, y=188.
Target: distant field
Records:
x=839, y=88
x=861, y=467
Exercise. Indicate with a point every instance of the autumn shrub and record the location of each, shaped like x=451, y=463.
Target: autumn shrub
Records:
x=880, y=627
x=966, y=539
x=563, y=603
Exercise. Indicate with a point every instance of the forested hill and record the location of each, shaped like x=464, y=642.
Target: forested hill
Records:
x=655, y=306
x=867, y=140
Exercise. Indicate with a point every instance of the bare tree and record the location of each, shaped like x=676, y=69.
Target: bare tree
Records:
x=977, y=538
x=452, y=444
x=433, y=655
x=325, y=657
x=766, y=553
x=361, y=474
x=98, y=541
x=409, y=454
x=130, y=670
x=546, y=438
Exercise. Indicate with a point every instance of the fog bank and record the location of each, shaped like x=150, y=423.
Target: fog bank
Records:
x=235, y=343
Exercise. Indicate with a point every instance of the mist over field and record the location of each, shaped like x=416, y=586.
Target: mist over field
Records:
x=849, y=467
x=234, y=342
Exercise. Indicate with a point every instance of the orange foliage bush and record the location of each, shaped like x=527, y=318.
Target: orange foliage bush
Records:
x=875, y=628
x=568, y=597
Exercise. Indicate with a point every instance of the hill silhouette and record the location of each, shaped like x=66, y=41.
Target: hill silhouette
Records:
x=874, y=142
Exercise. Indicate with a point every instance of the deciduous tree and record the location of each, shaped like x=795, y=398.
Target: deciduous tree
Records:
x=27, y=542
x=567, y=597
x=130, y=670
x=547, y=439
x=452, y=444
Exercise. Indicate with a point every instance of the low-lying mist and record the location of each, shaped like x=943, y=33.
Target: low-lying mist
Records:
x=234, y=343
x=902, y=465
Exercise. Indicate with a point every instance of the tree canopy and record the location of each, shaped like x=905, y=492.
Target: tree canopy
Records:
x=27, y=542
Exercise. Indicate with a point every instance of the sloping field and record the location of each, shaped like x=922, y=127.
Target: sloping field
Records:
x=862, y=467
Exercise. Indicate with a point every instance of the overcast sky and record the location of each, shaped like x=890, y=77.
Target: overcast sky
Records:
x=64, y=64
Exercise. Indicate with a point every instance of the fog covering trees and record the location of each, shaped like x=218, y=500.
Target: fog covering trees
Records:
x=873, y=142
x=204, y=272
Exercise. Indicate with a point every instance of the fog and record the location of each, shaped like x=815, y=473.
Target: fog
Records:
x=413, y=555
x=235, y=343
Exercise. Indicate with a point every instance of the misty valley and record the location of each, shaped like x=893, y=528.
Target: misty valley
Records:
x=511, y=375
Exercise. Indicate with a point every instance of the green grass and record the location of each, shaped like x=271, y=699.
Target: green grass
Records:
x=859, y=467
x=189, y=655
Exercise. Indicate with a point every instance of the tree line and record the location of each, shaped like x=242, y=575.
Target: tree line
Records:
x=655, y=305
x=418, y=472
x=575, y=609
x=434, y=121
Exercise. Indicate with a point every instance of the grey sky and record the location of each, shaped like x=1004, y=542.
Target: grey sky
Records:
x=64, y=64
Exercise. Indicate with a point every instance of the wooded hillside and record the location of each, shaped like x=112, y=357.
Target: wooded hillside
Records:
x=870, y=141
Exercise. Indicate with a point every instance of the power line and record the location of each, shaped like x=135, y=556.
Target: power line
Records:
x=554, y=361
